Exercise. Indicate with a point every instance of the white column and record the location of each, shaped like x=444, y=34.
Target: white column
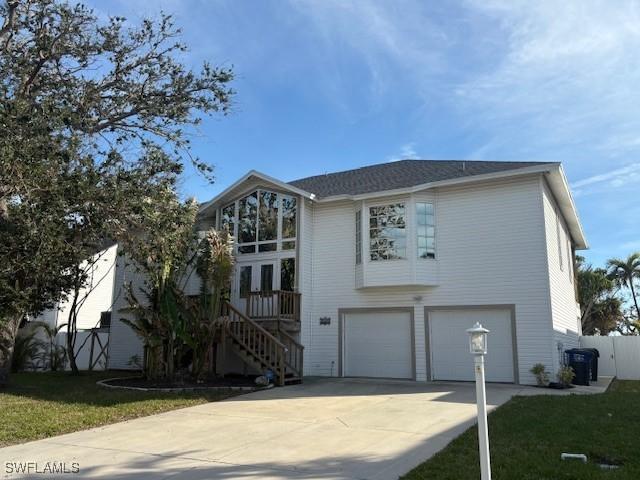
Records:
x=483, y=431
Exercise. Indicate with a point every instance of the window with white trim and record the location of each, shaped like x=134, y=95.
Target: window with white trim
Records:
x=262, y=221
x=387, y=232
x=228, y=219
x=426, y=231
x=358, y=237
x=570, y=260
x=560, y=260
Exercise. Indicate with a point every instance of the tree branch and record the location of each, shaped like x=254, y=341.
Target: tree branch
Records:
x=9, y=23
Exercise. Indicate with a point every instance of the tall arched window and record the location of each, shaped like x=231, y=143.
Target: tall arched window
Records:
x=264, y=221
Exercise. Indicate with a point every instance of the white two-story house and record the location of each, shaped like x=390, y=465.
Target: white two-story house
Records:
x=378, y=271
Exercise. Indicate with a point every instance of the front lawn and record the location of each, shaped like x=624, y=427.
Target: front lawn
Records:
x=40, y=405
x=528, y=434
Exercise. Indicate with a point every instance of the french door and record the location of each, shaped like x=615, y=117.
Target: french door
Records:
x=255, y=277
x=262, y=276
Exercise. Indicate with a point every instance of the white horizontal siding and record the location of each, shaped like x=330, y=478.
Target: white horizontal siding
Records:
x=490, y=251
x=123, y=342
x=96, y=296
x=305, y=270
x=564, y=309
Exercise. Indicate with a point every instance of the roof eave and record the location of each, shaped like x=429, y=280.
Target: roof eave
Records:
x=559, y=184
x=254, y=173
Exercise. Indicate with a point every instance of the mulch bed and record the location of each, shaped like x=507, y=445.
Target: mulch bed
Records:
x=187, y=383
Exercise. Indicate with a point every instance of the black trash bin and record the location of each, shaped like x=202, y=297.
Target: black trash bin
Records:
x=580, y=360
x=594, y=362
x=594, y=354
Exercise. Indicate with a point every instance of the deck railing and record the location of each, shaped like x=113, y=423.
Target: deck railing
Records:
x=294, y=354
x=273, y=305
x=258, y=342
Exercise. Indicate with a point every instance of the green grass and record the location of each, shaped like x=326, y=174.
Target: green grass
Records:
x=41, y=405
x=528, y=434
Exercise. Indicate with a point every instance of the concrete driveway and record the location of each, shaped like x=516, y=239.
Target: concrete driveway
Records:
x=323, y=429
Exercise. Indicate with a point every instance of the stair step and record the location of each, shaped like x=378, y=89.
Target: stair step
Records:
x=292, y=380
x=261, y=360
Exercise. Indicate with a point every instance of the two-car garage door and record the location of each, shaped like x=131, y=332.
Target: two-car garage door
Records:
x=380, y=344
x=450, y=357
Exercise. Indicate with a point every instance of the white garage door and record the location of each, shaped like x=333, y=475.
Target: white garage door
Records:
x=450, y=357
x=378, y=345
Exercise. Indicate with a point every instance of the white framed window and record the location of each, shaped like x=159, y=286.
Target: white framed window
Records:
x=387, y=232
x=262, y=221
x=358, y=238
x=426, y=230
x=570, y=260
x=560, y=259
x=228, y=219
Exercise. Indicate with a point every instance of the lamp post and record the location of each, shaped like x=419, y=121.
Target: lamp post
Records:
x=478, y=347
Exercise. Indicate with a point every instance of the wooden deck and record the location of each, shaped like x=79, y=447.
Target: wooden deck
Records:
x=275, y=309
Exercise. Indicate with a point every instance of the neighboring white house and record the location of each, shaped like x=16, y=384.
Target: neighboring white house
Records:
x=97, y=296
x=97, y=299
x=393, y=262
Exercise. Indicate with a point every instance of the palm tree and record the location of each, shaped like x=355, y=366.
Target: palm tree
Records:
x=625, y=272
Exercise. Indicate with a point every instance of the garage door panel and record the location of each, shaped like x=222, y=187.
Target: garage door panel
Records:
x=378, y=345
x=450, y=357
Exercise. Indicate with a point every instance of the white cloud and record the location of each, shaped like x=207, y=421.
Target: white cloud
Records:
x=407, y=152
x=614, y=178
x=567, y=76
x=380, y=44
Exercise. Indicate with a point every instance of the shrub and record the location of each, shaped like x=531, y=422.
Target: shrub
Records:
x=25, y=351
x=542, y=376
x=566, y=375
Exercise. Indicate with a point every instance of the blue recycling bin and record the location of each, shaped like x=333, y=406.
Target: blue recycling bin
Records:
x=580, y=361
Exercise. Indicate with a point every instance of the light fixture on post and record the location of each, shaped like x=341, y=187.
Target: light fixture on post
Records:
x=478, y=348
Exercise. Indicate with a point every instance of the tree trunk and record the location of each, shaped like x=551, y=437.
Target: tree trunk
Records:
x=71, y=353
x=8, y=332
x=72, y=330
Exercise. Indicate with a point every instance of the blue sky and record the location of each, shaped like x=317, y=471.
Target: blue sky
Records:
x=329, y=85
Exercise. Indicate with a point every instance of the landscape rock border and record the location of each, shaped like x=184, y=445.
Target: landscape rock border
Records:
x=104, y=383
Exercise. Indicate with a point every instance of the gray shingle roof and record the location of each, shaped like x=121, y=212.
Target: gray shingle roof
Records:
x=400, y=174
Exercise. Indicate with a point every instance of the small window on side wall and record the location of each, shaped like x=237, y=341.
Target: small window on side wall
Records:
x=358, y=237
x=558, y=237
x=426, y=230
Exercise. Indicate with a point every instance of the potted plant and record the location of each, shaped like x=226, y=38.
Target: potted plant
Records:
x=542, y=376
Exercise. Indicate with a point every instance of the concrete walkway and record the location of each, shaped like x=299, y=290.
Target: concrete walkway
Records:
x=323, y=429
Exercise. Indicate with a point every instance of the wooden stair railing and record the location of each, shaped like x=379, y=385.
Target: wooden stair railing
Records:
x=273, y=305
x=263, y=347
x=294, y=355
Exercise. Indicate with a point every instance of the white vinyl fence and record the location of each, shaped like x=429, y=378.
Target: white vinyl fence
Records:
x=90, y=352
x=619, y=356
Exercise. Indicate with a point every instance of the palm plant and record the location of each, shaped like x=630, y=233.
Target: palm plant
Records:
x=54, y=356
x=161, y=252
x=146, y=324
x=625, y=272
x=214, y=265
x=25, y=350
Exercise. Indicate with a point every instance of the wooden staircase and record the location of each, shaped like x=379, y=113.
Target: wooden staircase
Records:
x=256, y=346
